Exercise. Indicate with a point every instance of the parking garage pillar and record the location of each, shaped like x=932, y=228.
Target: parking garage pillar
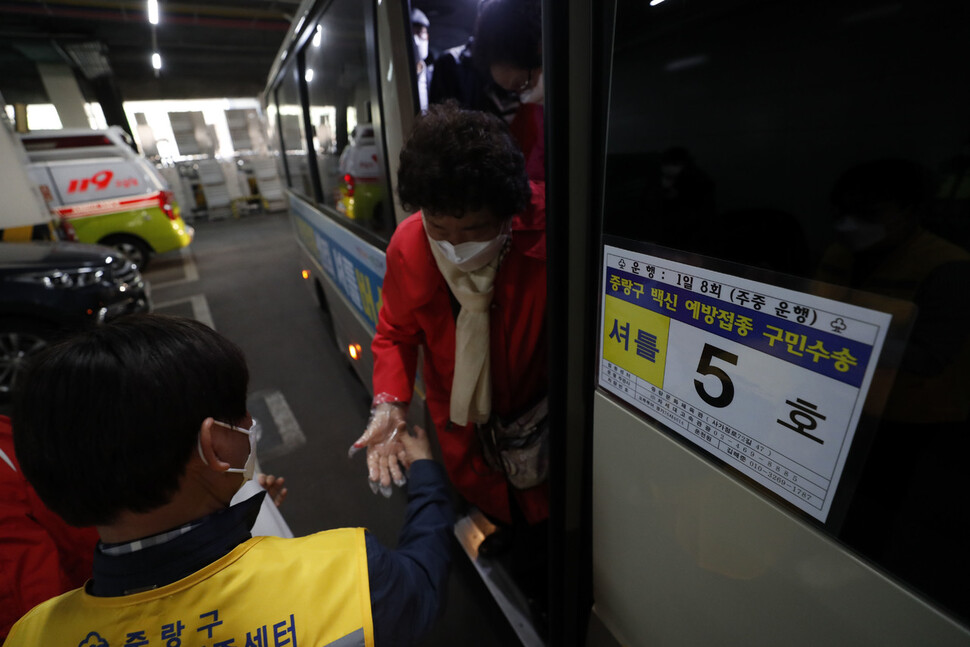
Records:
x=107, y=93
x=64, y=93
x=20, y=117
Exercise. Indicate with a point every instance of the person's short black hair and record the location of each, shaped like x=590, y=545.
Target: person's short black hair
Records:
x=105, y=421
x=509, y=32
x=458, y=160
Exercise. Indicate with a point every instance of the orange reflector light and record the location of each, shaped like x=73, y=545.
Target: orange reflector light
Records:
x=354, y=351
x=306, y=274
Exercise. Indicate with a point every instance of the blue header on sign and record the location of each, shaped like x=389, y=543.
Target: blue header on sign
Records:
x=819, y=351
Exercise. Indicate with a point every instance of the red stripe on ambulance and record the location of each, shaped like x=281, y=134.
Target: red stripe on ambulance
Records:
x=107, y=206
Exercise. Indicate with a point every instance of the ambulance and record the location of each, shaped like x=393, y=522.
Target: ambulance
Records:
x=23, y=214
x=105, y=192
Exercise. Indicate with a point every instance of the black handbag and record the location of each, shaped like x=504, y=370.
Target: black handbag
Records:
x=519, y=448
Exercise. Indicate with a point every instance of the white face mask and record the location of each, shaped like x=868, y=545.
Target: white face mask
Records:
x=473, y=255
x=250, y=467
x=420, y=48
x=535, y=94
x=859, y=234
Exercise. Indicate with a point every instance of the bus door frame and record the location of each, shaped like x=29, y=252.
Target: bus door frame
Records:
x=574, y=135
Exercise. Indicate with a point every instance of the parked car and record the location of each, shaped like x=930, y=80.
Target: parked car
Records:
x=50, y=288
x=105, y=192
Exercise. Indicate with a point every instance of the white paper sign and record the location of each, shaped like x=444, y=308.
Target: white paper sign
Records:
x=769, y=380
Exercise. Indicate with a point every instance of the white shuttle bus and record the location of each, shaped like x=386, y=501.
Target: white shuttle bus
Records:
x=758, y=221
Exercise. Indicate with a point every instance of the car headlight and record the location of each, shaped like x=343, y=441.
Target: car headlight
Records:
x=126, y=272
x=65, y=279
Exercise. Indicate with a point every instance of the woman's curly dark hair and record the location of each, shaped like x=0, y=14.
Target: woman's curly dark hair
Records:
x=509, y=32
x=458, y=160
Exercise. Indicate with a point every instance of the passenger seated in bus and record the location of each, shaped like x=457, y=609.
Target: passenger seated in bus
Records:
x=508, y=47
x=950, y=215
x=686, y=197
x=139, y=427
x=466, y=283
x=922, y=437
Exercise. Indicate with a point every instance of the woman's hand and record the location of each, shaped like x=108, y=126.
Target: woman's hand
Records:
x=385, y=451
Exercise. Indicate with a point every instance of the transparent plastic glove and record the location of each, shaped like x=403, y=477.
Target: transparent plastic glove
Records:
x=384, y=448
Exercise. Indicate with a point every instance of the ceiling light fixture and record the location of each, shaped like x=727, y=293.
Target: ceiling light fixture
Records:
x=153, y=11
x=156, y=57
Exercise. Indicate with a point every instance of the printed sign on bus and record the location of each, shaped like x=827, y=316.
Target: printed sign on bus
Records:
x=769, y=380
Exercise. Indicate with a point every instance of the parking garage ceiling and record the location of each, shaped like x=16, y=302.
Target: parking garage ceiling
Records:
x=209, y=48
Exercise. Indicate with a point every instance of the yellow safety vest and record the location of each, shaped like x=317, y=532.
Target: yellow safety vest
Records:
x=267, y=592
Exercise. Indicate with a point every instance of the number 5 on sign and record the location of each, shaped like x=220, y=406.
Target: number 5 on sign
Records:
x=704, y=367
x=776, y=403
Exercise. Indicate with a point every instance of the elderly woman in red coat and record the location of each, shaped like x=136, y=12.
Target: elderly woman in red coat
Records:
x=465, y=282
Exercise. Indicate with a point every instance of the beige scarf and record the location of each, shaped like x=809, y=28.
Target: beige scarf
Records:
x=471, y=388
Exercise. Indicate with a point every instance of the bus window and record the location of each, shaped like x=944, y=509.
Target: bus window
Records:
x=291, y=126
x=343, y=106
x=271, y=111
x=826, y=141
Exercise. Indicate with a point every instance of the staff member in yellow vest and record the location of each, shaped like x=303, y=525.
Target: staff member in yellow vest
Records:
x=140, y=428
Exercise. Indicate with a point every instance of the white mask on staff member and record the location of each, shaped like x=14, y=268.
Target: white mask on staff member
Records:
x=254, y=432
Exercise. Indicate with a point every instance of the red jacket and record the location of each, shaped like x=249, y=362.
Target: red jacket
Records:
x=417, y=313
x=40, y=555
x=527, y=128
